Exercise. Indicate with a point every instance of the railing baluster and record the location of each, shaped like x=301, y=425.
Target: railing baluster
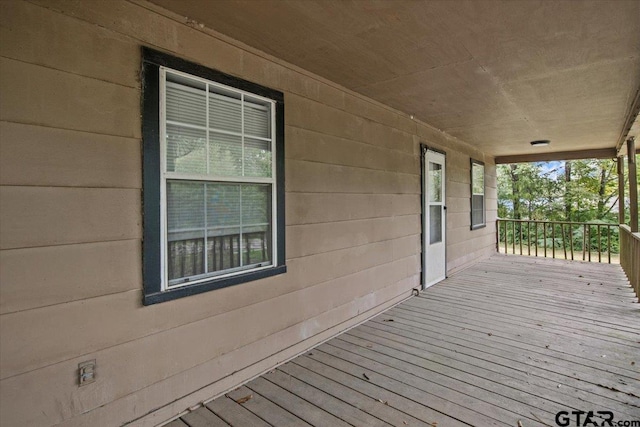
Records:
x=609, y=244
x=584, y=241
x=553, y=240
x=566, y=229
x=505, y=237
x=520, y=236
x=564, y=242
x=571, y=239
x=589, y=241
x=599, y=245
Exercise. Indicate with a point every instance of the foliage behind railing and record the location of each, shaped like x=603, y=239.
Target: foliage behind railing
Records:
x=559, y=239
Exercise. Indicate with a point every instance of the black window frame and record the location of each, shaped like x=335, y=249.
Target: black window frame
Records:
x=484, y=192
x=152, y=60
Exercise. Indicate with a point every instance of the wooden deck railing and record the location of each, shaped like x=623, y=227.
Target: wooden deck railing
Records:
x=187, y=255
x=630, y=256
x=594, y=242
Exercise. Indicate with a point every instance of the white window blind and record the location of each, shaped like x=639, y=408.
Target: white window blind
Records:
x=218, y=180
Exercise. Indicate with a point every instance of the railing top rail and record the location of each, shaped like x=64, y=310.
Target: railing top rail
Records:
x=602, y=224
x=627, y=230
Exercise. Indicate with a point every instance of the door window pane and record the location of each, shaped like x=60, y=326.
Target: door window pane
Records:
x=435, y=224
x=435, y=182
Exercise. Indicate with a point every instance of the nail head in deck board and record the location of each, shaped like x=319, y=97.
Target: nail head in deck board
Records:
x=265, y=409
x=234, y=413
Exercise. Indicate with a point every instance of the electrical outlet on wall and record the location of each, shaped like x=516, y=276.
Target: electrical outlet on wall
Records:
x=86, y=372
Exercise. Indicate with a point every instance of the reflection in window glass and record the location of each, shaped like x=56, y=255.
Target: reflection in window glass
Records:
x=478, y=178
x=435, y=182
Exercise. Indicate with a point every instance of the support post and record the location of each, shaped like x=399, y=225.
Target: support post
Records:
x=633, y=185
x=620, y=161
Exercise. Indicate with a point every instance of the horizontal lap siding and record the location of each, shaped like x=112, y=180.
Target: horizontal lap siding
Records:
x=70, y=217
x=44, y=156
x=465, y=246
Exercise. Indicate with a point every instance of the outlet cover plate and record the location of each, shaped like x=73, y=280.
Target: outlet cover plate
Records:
x=86, y=372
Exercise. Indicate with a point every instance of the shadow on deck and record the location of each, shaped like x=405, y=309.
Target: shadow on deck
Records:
x=510, y=339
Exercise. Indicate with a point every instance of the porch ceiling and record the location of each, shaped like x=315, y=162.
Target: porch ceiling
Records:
x=495, y=74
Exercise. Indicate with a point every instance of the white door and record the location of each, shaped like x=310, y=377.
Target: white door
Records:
x=434, y=244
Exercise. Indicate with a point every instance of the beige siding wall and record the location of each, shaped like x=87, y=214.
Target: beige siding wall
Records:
x=70, y=220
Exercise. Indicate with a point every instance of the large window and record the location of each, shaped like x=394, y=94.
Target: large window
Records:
x=213, y=179
x=477, y=195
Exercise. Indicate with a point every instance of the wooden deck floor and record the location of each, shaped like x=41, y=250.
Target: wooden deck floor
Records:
x=510, y=339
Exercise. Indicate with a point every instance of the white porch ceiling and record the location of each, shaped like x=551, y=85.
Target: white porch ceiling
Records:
x=496, y=74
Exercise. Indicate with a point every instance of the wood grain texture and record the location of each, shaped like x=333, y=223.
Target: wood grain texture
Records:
x=509, y=340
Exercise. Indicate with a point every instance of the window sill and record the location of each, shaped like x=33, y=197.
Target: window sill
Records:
x=199, y=288
x=478, y=226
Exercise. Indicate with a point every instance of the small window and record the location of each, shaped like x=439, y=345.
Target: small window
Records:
x=477, y=195
x=213, y=179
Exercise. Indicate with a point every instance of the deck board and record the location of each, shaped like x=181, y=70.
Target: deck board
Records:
x=265, y=409
x=203, y=417
x=510, y=339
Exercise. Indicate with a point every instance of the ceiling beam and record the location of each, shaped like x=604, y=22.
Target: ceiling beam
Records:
x=600, y=153
x=632, y=116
